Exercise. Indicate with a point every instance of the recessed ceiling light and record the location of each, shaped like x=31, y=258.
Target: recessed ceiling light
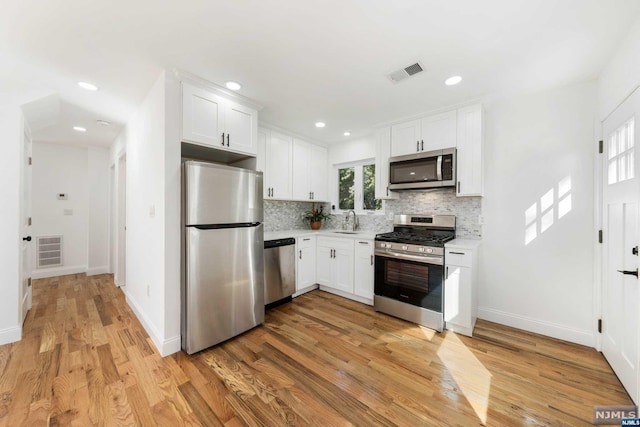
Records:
x=454, y=80
x=103, y=123
x=233, y=85
x=79, y=129
x=88, y=86
x=347, y=133
x=320, y=124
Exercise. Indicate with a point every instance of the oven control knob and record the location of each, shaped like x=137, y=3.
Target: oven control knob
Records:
x=405, y=247
x=429, y=250
x=389, y=245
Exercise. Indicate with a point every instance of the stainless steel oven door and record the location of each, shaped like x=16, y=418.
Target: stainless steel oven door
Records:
x=412, y=279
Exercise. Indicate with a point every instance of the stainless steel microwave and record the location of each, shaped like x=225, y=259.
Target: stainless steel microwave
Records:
x=423, y=170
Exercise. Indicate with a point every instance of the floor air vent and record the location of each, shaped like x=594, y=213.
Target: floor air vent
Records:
x=49, y=251
x=406, y=72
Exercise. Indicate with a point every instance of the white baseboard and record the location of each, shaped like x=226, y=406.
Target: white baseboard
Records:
x=57, y=271
x=10, y=335
x=97, y=270
x=304, y=290
x=550, y=329
x=164, y=346
x=347, y=295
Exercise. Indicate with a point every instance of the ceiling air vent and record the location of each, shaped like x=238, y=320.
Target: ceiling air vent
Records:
x=406, y=72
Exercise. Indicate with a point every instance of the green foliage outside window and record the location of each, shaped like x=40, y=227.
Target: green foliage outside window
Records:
x=347, y=180
x=369, y=188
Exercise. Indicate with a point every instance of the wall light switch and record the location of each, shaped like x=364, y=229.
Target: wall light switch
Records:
x=152, y=211
x=68, y=212
x=480, y=219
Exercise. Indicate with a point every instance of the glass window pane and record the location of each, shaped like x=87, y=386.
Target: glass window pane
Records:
x=346, y=177
x=369, y=200
x=613, y=145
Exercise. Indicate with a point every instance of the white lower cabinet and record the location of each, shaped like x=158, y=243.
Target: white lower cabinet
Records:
x=305, y=263
x=335, y=263
x=460, y=296
x=364, y=269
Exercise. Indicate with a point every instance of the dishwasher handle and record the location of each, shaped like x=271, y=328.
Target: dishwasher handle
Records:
x=268, y=244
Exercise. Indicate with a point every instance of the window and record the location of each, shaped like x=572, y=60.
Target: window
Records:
x=357, y=187
x=621, y=153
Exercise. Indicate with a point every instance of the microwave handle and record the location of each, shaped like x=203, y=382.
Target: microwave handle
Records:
x=439, y=168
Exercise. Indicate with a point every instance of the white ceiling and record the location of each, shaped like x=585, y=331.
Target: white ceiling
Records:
x=304, y=61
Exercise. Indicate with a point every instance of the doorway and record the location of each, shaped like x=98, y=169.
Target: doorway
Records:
x=120, y=276
x=25, y=221
x=620, y=216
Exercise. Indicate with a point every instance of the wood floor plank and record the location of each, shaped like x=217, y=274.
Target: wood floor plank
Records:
x=320, y=360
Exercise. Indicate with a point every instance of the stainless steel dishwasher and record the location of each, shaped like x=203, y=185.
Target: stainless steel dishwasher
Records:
x=279, y=271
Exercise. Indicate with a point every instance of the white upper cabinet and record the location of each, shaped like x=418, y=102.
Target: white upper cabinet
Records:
x=277, y=173
x=434, y=132
x=469, y=156
x=438, y=131
x=212, y=120
x=309, y=171
x=383, y=152
x=405, y=138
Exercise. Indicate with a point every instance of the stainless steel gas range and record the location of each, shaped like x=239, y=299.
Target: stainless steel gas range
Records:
x=409, y=268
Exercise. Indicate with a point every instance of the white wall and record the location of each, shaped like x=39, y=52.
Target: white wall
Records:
x=98, y=199
x=57, y=169
x=152, y=144
x=81, y=173
x=532, y=143
x=11, y=131
x=621, y=75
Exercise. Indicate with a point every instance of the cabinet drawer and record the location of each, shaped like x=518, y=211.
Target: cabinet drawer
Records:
x=336, y=243
x=306, y=242
x=459, y=257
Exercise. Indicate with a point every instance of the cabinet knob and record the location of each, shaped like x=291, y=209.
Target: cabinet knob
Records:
x=223, y=139
x=227, y=140
x=417, y=145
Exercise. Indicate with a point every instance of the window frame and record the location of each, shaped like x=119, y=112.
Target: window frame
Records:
x=358, y=197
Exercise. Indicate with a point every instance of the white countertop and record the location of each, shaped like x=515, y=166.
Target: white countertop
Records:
x=463, y=244
x=274, y=235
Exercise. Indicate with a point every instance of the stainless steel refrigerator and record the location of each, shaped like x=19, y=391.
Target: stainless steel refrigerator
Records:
x=223, y=264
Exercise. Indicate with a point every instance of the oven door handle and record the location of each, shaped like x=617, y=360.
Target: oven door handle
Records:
x=418, y=258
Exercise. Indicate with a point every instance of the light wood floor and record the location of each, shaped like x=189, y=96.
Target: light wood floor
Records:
x=321, y=360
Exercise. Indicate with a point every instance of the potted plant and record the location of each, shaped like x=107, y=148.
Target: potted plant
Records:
x=316, y=216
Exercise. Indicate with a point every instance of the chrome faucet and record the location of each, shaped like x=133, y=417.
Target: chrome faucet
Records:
x=355, y=224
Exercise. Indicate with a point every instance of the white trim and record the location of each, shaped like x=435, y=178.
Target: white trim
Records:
x=347, y=295
x=550, y=329
x=423, y=114
x=270, y=127
x=164, y=346
x=597, y=247
x=185, y=76
x=9, y=335
x=98, y=270
x=304, y=290
x=58, y=271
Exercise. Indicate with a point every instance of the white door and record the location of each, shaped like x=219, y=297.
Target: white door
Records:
x=25, y=286
x=621, y=317
x=363, y=269
x=122, y=222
